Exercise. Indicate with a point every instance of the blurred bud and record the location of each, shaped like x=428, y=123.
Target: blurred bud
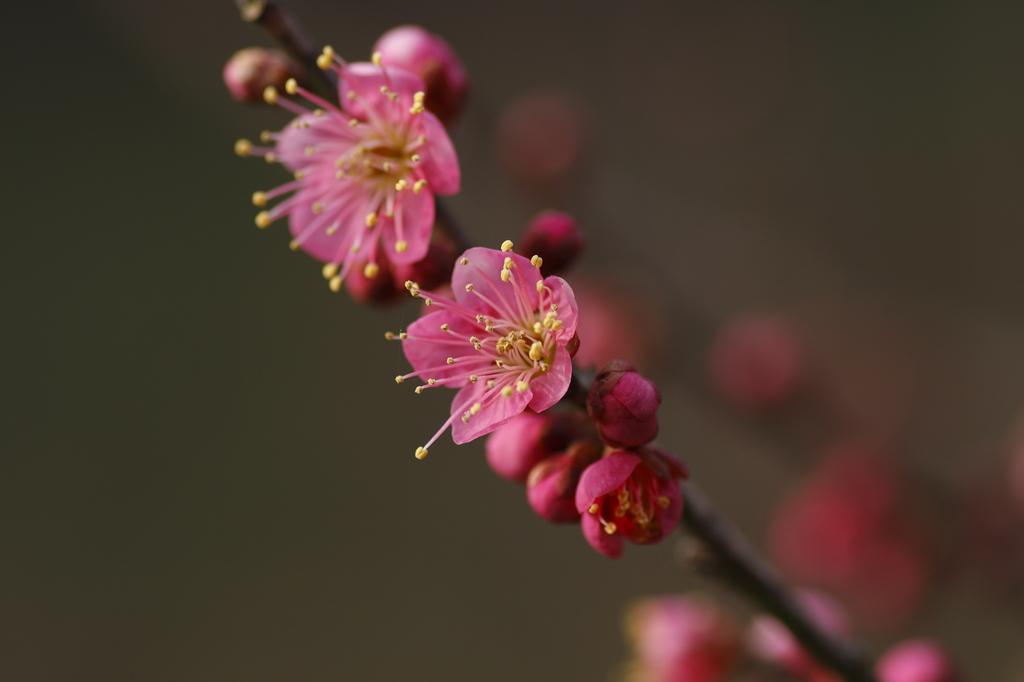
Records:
x=555, y=237
x=428, y=56
x=540, y=137
x=916, y=660
x=624, y=405
x=682, y=639
x=551, y=485
x=755, y=361
x=373, y=283
x=619, y=322
x=770, y=640
x=515, y=448
x=434, y=270
x=250, y=71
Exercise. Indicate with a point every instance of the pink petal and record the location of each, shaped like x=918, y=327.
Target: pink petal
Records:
x=366, y=79
x=322, y=246
x=568, y=312
x=548, y=388
x=294, y=139
x=484, y=273
x=440, y=164
x=492, y=416
x=670, y=516
x=593, y=531
x=604, y=476
x=423, y=351
x=416, y=213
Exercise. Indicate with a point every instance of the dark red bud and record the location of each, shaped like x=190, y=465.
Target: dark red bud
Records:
x=555, y=237
x=250, y=71
x=551, y=485
x=624, y=405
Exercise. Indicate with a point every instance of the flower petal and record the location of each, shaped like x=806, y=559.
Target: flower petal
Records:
x=414, y=214
x=311, y=131
x=366, y=79
x=670, y=516
x=593, y=531
x=440, y=164
x=311, y=228
x=500, y=411
x=604, y=476
x=428, y=346
x=563, y=297
x=484, y=272
x=549, y=387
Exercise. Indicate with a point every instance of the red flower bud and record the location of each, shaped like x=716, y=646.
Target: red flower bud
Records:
x=373, y=283
x=555, y=237
x=432, y=59
x=551, y=486
x=250, y=71
x=515, y=448
x=624, y=405
x=432, y=271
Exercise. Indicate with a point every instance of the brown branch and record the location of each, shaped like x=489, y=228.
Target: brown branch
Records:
x=732, y=559
x=286, y=31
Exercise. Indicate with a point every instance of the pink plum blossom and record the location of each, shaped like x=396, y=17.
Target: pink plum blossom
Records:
x=431, y=58
x=366, y=170
x=682, y=638
x=916, y=660
x=630, y=495
x=501, y=341
x=770, y=640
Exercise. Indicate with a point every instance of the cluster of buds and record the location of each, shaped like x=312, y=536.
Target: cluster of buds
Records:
x=598, y=468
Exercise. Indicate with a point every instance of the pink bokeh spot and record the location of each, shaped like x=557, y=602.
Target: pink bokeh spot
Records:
x=366, y=170
x=501, y=341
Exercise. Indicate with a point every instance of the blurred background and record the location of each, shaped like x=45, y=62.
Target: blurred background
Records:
x=804, y=222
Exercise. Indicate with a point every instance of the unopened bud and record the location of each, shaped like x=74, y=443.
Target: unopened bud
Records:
x=551, y=485
x=431, y=271
x=377, y=290
x=250, y=71
x=916, y=660
x=624, y=405
x=515, y=448
x=428, y=56
x=555, y=237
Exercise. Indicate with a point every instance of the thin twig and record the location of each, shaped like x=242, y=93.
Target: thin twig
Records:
x=274, y=18
x=737, y=563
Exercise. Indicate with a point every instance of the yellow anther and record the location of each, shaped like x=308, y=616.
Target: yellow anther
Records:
x=464, y=261
x=334, y=284
x=538, y=328
x=554, y=308
x=428, y=302
x=383, y=89
x=522, y=386
x=351, y=94
x=490, y=383
x=610, y=528
x=404, y=336
x=418, y=185
x=507, y=245
x=540, y=285
x=330, y=270
x=445, y=327
x=325, y=58
x=507, y=392
x=415, y=158
x=352, y=122
x=593, y=508
x=270, y=94
x=401, y=246
x=476, y=408
x=418, y=390
x=259, y=198
x=536, y=351
x=371, y=219
x=473, y=339
x=317, y=208
x=243, y=147
x=450, y=361
x=294, y=245
x=473, y=378
x=465, y=419
x=431, y=382
x=506, y=275
x=421, y=453
x=310, y=150
x=537, y=261
x=266, y=136
x=401, y=184
x=399, y=379
x=299, y=175
x=263, y=219
x=376, y=58
x=270, y=157
x=509, y=263
x=390, y=336
x=469, y=287
x=318, y=112
x=417, y=103
x=291, y=86
x=664, y=502
x=370, y=270
x=340, y=175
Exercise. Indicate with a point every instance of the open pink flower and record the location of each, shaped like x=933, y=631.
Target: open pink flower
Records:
x=630, y=495
x=366, y=171
x=502, y=341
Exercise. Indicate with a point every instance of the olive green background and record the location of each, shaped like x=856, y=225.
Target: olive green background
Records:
x=207, y=470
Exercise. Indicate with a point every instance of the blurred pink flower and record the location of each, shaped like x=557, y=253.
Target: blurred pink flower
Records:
x=916, y=660
x=515, y=448
x=770, y=640
x=681, y=639
x=366, y=171
x=630, y=495
x=428, y=56
x=756, y=361
x=502, y=342
x=556, y=237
